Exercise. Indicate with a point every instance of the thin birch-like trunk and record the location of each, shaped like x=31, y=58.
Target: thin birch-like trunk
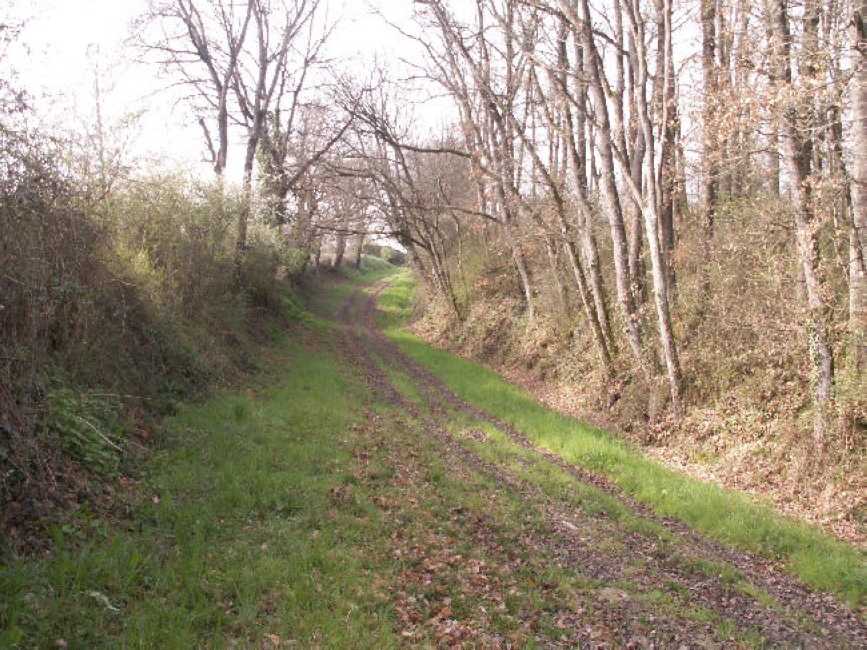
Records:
x=858, y=226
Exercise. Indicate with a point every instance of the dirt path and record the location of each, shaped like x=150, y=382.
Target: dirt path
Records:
x=562, y=574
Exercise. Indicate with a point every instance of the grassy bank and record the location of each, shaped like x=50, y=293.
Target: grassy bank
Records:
x=113, y=312
x=235, y=534
x=728, y=516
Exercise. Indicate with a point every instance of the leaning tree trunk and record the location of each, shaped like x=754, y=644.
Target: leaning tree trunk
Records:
x=610, y=193
x=636, y=164
x=858, y=232
x=555, y=272
x=773, y=145
x=359, y=249
x=668, y=128
x=524, y=276
x=590, y=308
x=651, y=219
x=574, y=156
x=339, y=249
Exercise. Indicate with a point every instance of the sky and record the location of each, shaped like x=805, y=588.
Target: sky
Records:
x=57, y=52
x=55, y=61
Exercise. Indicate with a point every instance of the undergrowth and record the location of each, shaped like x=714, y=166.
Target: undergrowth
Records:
x=236, y=537
x=113, y=310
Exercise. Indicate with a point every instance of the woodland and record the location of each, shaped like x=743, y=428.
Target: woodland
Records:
x=556, y=257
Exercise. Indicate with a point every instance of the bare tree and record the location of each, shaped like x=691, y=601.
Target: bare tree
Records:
x=709, y=69
x=605, y=145
x=667, y=118
x=796, y=127
x=651, y=216
x=201, y=42
x=858, y=232
x=257, y=79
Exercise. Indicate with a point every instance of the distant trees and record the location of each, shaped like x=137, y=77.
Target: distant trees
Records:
x=569, y=116
x=591, y=145
x=247, y=65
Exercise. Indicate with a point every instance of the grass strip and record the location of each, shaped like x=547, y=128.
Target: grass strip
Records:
x=238, y=537
x=731, y=517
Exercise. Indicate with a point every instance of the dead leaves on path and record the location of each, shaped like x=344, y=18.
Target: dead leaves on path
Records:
x=457, y=585
x=423, y=597
x=459, y=582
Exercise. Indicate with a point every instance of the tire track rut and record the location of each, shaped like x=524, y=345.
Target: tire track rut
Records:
x=799, y=618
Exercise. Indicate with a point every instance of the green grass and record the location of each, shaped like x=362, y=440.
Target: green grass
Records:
x=372, y=269
x=324, y=299
x=255, y=519
x=520, y=573
x=554, y=481
x=237, y=535
x=515, y=515
x=395, y=303
x=728, y=516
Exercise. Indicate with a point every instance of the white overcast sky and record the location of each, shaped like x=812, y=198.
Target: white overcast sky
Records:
x=52, y=62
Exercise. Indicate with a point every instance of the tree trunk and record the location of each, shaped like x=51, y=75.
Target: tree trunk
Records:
x=524, y=276
x=359, y=249
x=633, y=207
x=668, y=129
x=340, y=242
x=858, y=230
x=651, y=224
x=575, y=146
x=773, y=162
x=246, y=204
x=589, y=308
x=317, y=254
x=555, y=273
x=710, y=154
x=663, y=312
x=611, y=194
x=222, y=153
x=797, y=156
x=636, y=234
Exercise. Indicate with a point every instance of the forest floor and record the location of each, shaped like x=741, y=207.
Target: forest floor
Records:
x=359, y=493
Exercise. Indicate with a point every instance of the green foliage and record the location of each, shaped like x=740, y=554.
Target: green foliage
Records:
x=88, y=427
x=236, y=540
x=291, y=308
x=371, y=269
x=270, y=517
x=371, y=265
x=391, y=255
x=294, y=260
x=373, y=250
x=135, y=293
x=395, y=303
x=395, y=257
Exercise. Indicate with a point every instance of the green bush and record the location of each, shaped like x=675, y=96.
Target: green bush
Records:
x=135, y=293
x=87, y=426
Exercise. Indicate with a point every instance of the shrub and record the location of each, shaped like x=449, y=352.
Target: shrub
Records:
x=135, y=294
x=87, y=426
